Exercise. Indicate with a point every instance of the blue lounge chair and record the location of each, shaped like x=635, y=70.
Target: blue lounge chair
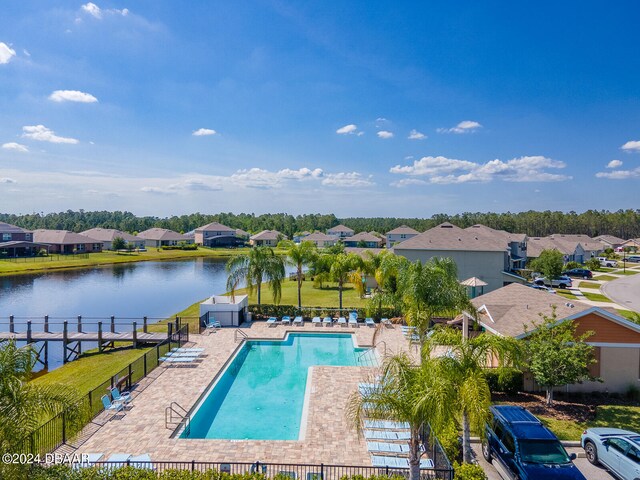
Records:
x=353, y=319
x=386, y=424
x=182, y=354
x=212, y=324
x=369, y=322
x=298, y=321
x=342, y=321
x=286, y=319
x=187, y=349
x=387, y=447
x=384, y=461
x=317, y=321
x=111, y=406
x=272, y=321
x=124, y=397
x=328, y=321
x=379, y=435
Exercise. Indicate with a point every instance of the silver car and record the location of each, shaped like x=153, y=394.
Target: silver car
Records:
x=616, y=449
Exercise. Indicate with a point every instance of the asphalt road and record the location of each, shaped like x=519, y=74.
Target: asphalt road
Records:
x=624, y=291
x=589, y=471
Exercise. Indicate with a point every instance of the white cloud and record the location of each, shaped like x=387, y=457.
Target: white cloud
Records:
x=620, y=174
x=350, y=129
x=92, y=9
x=385, y=134
x=7, y=180
x=15, y=146
x=6, y=53
x=406, y=182
x=347, y=179
x=466, y=126
x=416, y=135
x=442, y=170
x=44, y=134
x=201, y=132
x=614, y=164
x=630, y=146
x=72, y=96
x=265, y=179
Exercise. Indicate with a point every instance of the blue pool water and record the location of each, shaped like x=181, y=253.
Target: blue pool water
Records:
x=260, y=395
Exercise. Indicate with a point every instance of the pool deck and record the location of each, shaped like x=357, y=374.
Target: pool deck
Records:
x=329, y=438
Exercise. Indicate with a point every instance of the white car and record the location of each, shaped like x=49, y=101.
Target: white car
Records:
x=607, y=263
x=560, y=282
x=617, y=450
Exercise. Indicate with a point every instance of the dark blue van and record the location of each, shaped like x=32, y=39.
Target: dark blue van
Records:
x=525, y=448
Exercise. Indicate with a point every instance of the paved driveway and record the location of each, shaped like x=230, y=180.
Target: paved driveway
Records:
x=624, y=291
x=589, y=471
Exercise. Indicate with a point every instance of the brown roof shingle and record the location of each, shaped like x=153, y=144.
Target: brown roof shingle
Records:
x=449, y=237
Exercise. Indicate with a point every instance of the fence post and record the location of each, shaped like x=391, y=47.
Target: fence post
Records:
x=46, y=323
x=12, y=327
x=79, y=323
x=144, y=364
x=29, y=331
x=113, y=324
x=322, y=471
x=99, y=336
x=135, y=335
x=193, y=465
x=65, y=339
x=144, y=324
x=64, y=427
x=130, y=371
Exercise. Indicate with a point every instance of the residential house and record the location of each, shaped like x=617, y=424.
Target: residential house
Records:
x=266, y=238
x=162, y=237
x=340, y=231
x=321, y=240
x=591, y=247
x=610, y=241
x=574, y=248
x=217, y=235
x=108, y=235
x=515, y=242
x=633, y=245
x=475, y=255
x=299, y=237
x=400, y=234
x=242, y=234
x=66, y=242
x=17, y=242
x=512, y=310
x=366, y=239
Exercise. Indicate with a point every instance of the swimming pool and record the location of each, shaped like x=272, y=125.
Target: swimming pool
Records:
x=261, y=393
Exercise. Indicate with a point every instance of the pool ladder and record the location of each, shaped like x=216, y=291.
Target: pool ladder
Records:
x=176, y=414
x=239, y=334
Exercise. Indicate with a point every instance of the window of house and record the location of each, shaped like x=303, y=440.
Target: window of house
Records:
x=6, y=237
x=80, y=247
x=96, y=246
x=402, y=235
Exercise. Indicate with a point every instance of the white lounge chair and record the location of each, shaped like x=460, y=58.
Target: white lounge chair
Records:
x=369, y=322
x=379, y=435
x=394, y=462
x=141, y=461
x=298, y=321
x=342, y=321
x=386, y=322
x=386, y=424
x=317, y=321
x=187, y=349
x=272, y=321
x=327, y=321
x=353, y=320
x=118, y=460
x=286, y=319
x=387, y=447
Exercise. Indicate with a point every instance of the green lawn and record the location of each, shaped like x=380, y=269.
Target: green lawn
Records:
x=190, y=315
x=566, y=294
x=589, y=285
x=605, y=269
x=625, y=417
x=596, y=297
x=629, y=315
x=311, y=297
x=627, y=272
x=604, y=278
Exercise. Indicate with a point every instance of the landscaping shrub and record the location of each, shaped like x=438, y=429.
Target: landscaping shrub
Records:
x=192, y=246
x=571, y=265
x=269, y=310
x=504, y=380
x=450, y=442
x=593, y=264
x=468, y=471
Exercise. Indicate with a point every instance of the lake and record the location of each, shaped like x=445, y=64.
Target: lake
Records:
x=134, y=290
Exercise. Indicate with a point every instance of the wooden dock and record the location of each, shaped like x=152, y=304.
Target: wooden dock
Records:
x=84, y=337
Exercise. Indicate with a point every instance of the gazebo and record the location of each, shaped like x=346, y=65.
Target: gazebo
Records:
x=474, y=283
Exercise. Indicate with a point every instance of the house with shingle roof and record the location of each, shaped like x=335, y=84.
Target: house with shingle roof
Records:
x=215, y=234
x=108, y=235
x=369, y=240
x=632, y=244
x=162, y=237
x=476, y=255
x=66, y=242
x=17, y=241
x=400, y=234
x=266, y=238
x=340, y=231
x=515, y=242
x=574, y=248
x=610, y=241
x=321, y=240
x=514, y=309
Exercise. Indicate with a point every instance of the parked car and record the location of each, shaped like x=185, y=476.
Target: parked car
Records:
x=541, y=287
x=525, y=448
x=578, y=273
x=633, y=258
x=560, y=282
x=604, y=262
x=617, y=450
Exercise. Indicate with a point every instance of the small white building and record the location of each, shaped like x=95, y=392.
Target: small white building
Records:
x=229, y=311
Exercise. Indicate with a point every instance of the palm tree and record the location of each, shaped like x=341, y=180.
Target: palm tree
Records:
x=25, y=405
x=463, y=365
x=342, y=266
x=300, y=255
x=259, y=266
x=405, y=392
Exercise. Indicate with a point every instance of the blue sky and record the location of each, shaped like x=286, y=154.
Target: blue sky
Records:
x=352, y=108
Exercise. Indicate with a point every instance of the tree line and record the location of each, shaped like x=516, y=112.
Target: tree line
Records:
x=621, y=223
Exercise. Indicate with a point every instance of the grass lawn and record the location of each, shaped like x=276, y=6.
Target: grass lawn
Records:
x=625, y=417
x=566, y=294
x=604, y=278
x=589, y=285
x=628, y=314
x=190, y=315
x=605, y=269
x=596, y=297
x=39, y=264
x=312, y=297
x=627, y=272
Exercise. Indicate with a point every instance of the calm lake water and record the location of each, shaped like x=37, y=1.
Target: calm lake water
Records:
x=135, y=290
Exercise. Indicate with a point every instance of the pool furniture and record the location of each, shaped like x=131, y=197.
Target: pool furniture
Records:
x=187, y=349
x=118, y=460
x=272, y=321
x=386, y=447
x=386, y=322
x=88, y=460
x=182, y=354
x=141, y=461
x=317, y=321
x=342, y=321
x=286, y=319
x=298, y=321
x=109, y=406
x=369, y=322
x=328, y=321
x=385, y=424
x=367, y=388
x=120, y=397
x=384, y=461
x=212, y=325
x=262, y=468
x=179, y=360
x=353, y=319
x=386, y=435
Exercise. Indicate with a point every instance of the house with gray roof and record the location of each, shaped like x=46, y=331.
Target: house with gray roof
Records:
x=162, y=237
x=400, y=234
x=108, y=235
x=366, y=239
x=610, y=241
x=66, y=242
x=216, y=234
x=321, y=240
x=574, y=248
x=340, y=231
x=17, y=241
x=515, y=242
x=266, y=238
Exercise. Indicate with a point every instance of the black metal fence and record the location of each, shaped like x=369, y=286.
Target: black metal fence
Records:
x=434, y=449
x=65, y=426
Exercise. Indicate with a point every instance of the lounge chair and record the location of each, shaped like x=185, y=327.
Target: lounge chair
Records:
x=394, y=462
x=88, y=460
x=118, y=460
x=385, y=424
x=186, y=349
x=342, y=321
x=386, y=447
x=141, y=461
x=367, y=388
x=369, y=322
x=328, y=321
x=212, y=324
x=111, y=406
x=182, y=354
x=298, y=321
x=286, y=319
x=124, y=397
x=272, y=321
x=386, y=322
x=317, y=321
x=179, y=360
x=353, y=319
x=379, y=435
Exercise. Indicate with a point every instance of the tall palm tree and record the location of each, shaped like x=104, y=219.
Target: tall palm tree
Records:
x=299, y=255
x=24, y=405
x=342, y=266
x=463, y=366
x=259, y=266
x=406, y=392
